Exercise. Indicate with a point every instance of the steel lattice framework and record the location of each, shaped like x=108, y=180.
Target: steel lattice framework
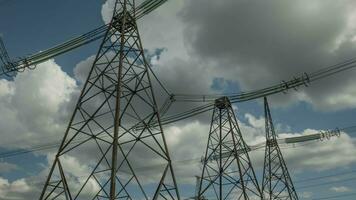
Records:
x=116, y=99
x=4, y=56
x=277, y=183
x=230, y=176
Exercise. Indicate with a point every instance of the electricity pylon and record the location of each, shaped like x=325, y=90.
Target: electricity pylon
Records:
x=4, y=58
x=227, y=169
x=277, y=183
x=109, y=133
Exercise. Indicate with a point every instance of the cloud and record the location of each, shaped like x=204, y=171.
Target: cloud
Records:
x=34, y=106
x=340, y=189
x=30, y=188
x=205, y=40
x=82, y=69
x=285, y=39
x=180, y=71
x=196, y=52
x=322, y=155
x=209, y=40
x=107, y=10
x=187, y=143
x=306, y=195
x=13, y=190
x=77, y=174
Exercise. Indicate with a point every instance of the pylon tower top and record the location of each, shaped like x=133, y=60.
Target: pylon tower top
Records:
x=222, y=102
x=123, y=18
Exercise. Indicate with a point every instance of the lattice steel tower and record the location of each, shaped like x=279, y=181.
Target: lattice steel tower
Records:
x=227, y=169
x=109, y=132
x=277, y=183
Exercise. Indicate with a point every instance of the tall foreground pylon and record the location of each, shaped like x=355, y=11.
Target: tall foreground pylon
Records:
x=108, y=141
x=277, y=183
x=227, y=169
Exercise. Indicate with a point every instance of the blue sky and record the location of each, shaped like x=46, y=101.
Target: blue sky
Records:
x=30, y=26
x=31, y=22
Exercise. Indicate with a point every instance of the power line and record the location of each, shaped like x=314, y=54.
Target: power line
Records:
x=328, y=183
x=55, y=144
x=336, y=196
x=10, y=68
x=323, y=177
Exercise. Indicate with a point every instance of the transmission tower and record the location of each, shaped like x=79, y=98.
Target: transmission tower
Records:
x=277, y=183
x=109, y=130
x=227, y=169
x=4, y=57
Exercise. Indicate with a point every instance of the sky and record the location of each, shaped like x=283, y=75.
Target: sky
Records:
x=195, y=47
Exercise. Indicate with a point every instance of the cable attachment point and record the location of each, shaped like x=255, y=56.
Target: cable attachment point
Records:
x=306, y=79
x=286, y=87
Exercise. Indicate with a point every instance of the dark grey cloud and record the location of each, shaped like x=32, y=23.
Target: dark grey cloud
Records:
x=259, y=43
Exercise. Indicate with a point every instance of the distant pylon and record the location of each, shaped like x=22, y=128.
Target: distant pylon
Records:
x=227, y=169
x=4, y=57
x=277, y=183
x=109, y=130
